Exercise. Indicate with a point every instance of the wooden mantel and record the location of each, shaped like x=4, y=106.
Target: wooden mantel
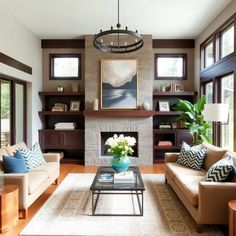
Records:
x=119, y=113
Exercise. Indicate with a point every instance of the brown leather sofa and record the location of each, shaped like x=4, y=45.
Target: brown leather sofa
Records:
x=207, y=202
x=31, y=184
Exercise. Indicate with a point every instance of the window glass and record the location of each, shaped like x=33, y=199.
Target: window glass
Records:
x=209, y=99
x=209, y=55
x=66, y=67
x=227, y=41
x=5, y=112
x=209, y=92
x=227, y=96
x=170, y=66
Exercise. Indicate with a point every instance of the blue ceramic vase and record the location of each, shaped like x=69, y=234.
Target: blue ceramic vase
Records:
x=120, y=163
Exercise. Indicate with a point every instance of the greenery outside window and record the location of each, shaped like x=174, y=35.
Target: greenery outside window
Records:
x=170, y=66
x=65, y=66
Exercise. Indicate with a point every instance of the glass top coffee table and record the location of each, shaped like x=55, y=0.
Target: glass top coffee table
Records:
x=102, y=188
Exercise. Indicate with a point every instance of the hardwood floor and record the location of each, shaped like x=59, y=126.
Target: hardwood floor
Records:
x=65, y=169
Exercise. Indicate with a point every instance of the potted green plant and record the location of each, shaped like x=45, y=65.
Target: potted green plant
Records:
x=193, y=118
x=60, y=88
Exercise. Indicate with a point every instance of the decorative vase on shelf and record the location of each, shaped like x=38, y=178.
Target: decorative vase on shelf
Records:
x=120, y=163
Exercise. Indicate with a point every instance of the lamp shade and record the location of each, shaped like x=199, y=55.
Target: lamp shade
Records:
x=217, y=112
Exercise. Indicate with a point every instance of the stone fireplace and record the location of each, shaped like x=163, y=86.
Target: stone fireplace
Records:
x=95, y=124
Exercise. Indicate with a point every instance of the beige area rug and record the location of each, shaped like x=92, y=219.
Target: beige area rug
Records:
x=68, y=212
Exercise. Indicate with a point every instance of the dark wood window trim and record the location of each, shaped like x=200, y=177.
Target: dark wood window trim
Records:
x=14, y=63
x=62, y=43
x=163, y=55
x=66, y=55
x=216, y=38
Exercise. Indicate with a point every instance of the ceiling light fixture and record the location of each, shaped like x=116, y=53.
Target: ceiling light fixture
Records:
x=118, y=40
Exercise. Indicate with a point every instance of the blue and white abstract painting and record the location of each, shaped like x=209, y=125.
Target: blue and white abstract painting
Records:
x=119, y=84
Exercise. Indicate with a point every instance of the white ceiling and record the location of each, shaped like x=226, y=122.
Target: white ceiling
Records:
x=174, y=19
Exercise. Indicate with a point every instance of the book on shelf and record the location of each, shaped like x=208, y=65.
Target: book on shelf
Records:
x=106, y=177
x=165, y=143
x=124, y=177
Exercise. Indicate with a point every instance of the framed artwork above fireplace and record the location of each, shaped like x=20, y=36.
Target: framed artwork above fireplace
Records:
x=119, y=84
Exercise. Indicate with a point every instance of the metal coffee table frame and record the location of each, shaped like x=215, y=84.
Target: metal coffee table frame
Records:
x=137, y=188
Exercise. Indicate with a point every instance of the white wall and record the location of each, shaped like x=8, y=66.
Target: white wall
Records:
x=216, y=23
x=18, y=42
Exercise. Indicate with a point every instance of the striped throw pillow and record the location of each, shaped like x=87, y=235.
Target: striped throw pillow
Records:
x=33, y=156
x=221, y=171
x=192, y=157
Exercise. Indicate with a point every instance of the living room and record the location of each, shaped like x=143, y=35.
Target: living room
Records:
x=34, y=35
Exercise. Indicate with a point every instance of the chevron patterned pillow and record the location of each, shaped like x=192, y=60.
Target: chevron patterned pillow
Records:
x=192, y=157
x=33, y=156
x=221, y=170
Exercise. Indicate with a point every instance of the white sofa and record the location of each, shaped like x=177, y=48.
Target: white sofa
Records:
x=31, y=184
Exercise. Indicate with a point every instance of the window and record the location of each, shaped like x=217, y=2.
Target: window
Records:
x=227, y=96
x=209, y=92
x=218, y=45
x=65, y=66
x=5, y=112
x=209, y=55
x=170, y=66
x=13, y=111
x=227, y=41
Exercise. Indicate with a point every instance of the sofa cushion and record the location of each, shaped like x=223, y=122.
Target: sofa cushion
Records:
x=36, y=178
x=213, y=155
x=12, y=149
x=221, y=170
x=33, y=156
x=189, y=186
x=175, y=169
x=192, y=157
x=14, y=164
x=50, y=168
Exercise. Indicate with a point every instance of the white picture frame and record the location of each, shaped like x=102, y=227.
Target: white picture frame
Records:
x=164, y=106
x=74, y=105
x=179, y=87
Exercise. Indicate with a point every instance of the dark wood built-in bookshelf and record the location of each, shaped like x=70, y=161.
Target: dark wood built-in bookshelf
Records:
x=70, y=142
x=173, y=135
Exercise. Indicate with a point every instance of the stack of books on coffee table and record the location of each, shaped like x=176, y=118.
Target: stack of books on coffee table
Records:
x=124, y=177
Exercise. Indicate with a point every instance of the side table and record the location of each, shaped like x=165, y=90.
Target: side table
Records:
x=232, y=217
x=9, y=207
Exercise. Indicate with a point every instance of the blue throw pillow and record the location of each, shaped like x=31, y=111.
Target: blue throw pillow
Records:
x=15, y=164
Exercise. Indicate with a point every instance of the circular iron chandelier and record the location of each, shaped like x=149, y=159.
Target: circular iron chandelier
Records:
x=118, y=40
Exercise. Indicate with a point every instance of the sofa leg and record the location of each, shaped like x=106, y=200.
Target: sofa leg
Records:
x=56, y=182
x=166, y=181
x=199, y=228
x=23, y=213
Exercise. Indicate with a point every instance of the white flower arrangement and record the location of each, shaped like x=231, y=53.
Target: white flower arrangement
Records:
x=121, y=145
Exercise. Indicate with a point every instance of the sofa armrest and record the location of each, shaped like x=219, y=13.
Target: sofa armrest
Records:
x=51, y=157
x=171, y=156
x=213, y=201
x=21, y=180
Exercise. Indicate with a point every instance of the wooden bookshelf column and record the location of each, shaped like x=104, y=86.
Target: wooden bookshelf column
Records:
x=70, y=142
x=168, y=139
